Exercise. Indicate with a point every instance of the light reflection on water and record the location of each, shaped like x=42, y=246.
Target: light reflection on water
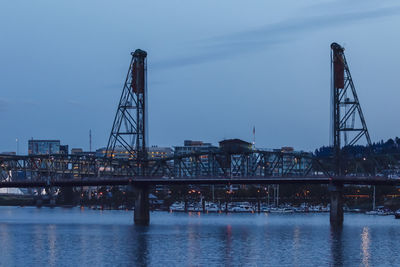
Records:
x=68, y=237
x=296, y=245
x=365, y=239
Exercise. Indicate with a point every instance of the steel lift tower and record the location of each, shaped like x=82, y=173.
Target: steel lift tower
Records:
x=129, y=129
x=348, y=123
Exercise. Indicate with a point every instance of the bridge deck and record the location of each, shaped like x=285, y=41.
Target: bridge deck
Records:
x=199, y=180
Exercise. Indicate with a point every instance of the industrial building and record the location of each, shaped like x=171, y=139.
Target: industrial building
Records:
x=120, y=152
x=43, y=147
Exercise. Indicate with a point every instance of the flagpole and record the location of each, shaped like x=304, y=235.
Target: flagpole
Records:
x=254, y=137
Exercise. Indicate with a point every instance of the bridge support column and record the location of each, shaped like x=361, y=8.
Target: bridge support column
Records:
x=52, y=201
x=142, y=211
x=39, y=201
x=186, y=204
x=68, y=195
x=336, y=209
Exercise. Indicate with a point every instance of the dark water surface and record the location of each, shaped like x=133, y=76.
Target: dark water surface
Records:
x=75, y=237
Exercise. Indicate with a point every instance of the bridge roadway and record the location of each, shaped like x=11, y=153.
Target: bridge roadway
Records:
x=109, y=181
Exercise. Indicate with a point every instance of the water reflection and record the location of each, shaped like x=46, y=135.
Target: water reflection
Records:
x=51, y=240
x=365, y=240
x=140, y=246
x=75, y=237
x=193, y=244
x=227, y=237
x=336, y=245
x=38, y=244
x=296, y=245
x=5, y=243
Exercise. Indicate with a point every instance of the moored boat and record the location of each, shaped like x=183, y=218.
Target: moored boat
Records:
x=397, y=214
x=211, y=207
x=242, y=207
x=177, y=206
x=379, y=212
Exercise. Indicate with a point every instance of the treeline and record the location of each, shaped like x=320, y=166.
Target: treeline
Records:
x=380, y=158
x=391, y=146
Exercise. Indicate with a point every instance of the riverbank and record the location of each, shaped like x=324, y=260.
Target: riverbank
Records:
x=17, y=200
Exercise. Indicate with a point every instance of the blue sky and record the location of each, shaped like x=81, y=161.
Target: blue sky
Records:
x=215, y=68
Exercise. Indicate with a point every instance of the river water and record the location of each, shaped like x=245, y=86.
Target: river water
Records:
x=82, y=237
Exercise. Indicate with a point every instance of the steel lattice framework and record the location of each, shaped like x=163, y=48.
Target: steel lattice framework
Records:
x=255, y=166
x=212, y=164
x=130, y=123
x=348, y=123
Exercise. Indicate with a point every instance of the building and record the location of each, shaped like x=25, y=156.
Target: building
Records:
x=234, y=149
x=190, y=146
x=76, y=151
x=43, y=147
x=235, y=146
x=8, y=153
x=290, y=161
x=64, y=149
x=156, y=152
x=80, y=152
x=120, y=152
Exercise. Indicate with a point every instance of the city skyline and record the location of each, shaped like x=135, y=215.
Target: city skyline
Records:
x=209, y=78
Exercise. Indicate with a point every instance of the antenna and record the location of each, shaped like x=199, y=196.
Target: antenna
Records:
x=90, y=140
x=254, y=137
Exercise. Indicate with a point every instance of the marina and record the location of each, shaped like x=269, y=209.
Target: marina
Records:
x=244, y=207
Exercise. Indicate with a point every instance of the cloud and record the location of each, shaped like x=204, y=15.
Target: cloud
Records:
x=304, y=24
x=230, y=45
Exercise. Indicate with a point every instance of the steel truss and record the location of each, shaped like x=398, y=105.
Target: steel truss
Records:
x=210, y=164
x=130, y=123
x=213, y=164
x=346, y=106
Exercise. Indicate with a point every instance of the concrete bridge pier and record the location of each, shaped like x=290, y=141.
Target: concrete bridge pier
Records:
x=39, y=198
x=142, y=209
x=39, y=201
x=52, y=201
x=336, y=209
x=51, y=195
x=68, y=195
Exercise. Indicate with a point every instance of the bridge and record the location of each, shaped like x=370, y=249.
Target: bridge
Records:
x=229, y=164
